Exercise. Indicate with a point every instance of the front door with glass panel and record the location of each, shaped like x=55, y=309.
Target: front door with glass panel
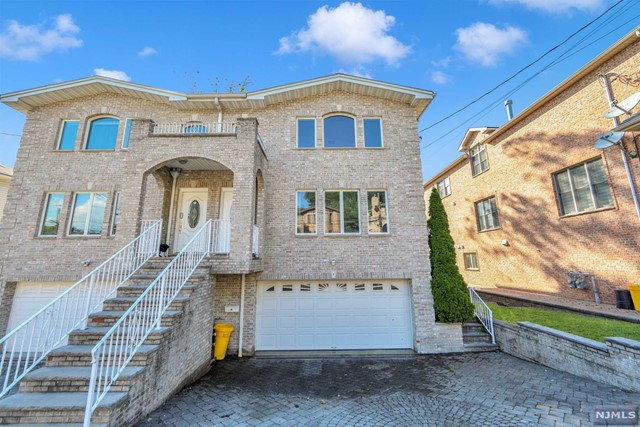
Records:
x=192, y=214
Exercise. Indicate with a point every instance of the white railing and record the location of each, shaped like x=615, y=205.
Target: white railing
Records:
x=28, y=344
x=195, y=128
x=220, y=236
x=255, y=242
x=483, y=313
x=114, y=351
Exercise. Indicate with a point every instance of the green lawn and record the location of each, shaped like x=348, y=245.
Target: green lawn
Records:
x=595, y=328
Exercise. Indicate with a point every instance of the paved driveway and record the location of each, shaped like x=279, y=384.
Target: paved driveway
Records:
x=483, y=389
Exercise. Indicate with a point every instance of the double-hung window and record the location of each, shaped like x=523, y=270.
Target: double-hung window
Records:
x=444, y=187
x=87, y=215
x=471, y=261
x=583, y=188
x=487, y=214
x=372, y=133
x=306, y=212
x=339, y=132
x=68, y=134
x=479, y=159
x=103, y=133
x=377, y=211
x=306, y=133
x=51, y=216
x=342, y=212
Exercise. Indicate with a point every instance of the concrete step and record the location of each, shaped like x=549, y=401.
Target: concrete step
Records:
x=110, y=317
x=123, y=303
x=40, y=408
x=472, y=326
x=136, y=289
x=474, y=337
x=146, y=278
x=480, y=347
x=93, y=334
x=72, y=379
x=80, y=355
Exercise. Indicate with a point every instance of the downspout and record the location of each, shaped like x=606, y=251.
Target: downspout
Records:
x=604, y=79
x=175, y=172
x=241, y=336
x=216, y=100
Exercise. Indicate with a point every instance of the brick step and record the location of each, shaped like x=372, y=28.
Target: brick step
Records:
x=72, y=379
x=93, y=334
x=80, y=355
x=136, y=289
x=110, y=317
x=40, y=408
x=123, y=303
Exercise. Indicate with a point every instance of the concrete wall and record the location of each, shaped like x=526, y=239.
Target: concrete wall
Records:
x=615, y=363
x=543, y=246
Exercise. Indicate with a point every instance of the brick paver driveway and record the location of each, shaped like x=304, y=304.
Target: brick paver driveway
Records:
x=482, y=389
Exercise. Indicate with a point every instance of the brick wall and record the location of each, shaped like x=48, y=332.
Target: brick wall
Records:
x=543, y=246
x=614, y=363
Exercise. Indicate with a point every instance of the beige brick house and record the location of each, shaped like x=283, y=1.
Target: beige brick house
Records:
x=313, y=188
x=5, y=179
x=532, y=200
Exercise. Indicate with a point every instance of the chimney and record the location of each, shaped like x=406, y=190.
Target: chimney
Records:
x=508, y=104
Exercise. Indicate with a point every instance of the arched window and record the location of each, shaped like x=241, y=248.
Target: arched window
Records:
x=339, y=132
x=103, y=133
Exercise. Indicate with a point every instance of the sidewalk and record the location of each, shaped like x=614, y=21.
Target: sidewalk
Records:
x=532, y=299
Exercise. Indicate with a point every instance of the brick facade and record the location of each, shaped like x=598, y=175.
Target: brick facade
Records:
x=556, y=133
x=272, y=175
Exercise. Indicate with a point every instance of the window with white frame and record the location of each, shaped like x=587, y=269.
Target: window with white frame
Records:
x=479, y=159
x=126, y=134
x=51, y=215
x=372, y=133
x=87, y=215
x=471, y=261
x=68, y=133
x=377, y=211
x=583, y=188
x=306, y=133
x=115, y=217
x=339, y=132
x=103, y=133
x=306, y=212
x=444, y=187
x=487, y=214
x=342, y=212
x=195, y=127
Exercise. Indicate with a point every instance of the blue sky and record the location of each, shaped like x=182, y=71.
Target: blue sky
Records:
x=459, y=49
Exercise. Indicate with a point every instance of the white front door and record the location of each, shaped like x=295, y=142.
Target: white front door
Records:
x=223, y=235
x=333, y=315
x=192, y=213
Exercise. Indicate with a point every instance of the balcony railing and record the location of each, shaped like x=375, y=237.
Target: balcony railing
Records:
x=194, y=128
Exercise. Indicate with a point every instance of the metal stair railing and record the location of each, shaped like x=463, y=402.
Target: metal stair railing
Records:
x=483, y=313
x=111, y=355
x=27, y=345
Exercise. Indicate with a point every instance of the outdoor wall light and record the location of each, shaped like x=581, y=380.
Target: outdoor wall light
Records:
x=86, y=262
x=505, y=242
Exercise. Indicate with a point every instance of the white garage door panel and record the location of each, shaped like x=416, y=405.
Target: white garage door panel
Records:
x=333, y=315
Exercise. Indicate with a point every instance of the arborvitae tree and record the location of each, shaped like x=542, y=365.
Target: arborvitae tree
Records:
x=450, y=295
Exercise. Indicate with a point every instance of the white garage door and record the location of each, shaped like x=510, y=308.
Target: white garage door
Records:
x=31, y=297
x=333, y=315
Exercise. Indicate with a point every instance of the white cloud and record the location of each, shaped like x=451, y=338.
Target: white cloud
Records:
x=440, y=78
x=350, y=32
x=359, y=72
x=30, y=42
x=147, y=51
x=114, y=74
x=485, y=43
x=442, y=63
x=554, y=6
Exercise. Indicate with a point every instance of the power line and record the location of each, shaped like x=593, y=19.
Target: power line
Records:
x=9, y=134
x=524, y=68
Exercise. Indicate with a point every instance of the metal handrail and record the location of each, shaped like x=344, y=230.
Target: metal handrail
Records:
x=483, y=313
x=28, y=344
x=111, y=355
x=194, y=128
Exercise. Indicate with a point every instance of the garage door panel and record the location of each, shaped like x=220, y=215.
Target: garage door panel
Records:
x=334, y=315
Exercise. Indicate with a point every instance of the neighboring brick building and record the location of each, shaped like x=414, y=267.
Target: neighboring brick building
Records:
x=532, y=200
x=97, y=157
